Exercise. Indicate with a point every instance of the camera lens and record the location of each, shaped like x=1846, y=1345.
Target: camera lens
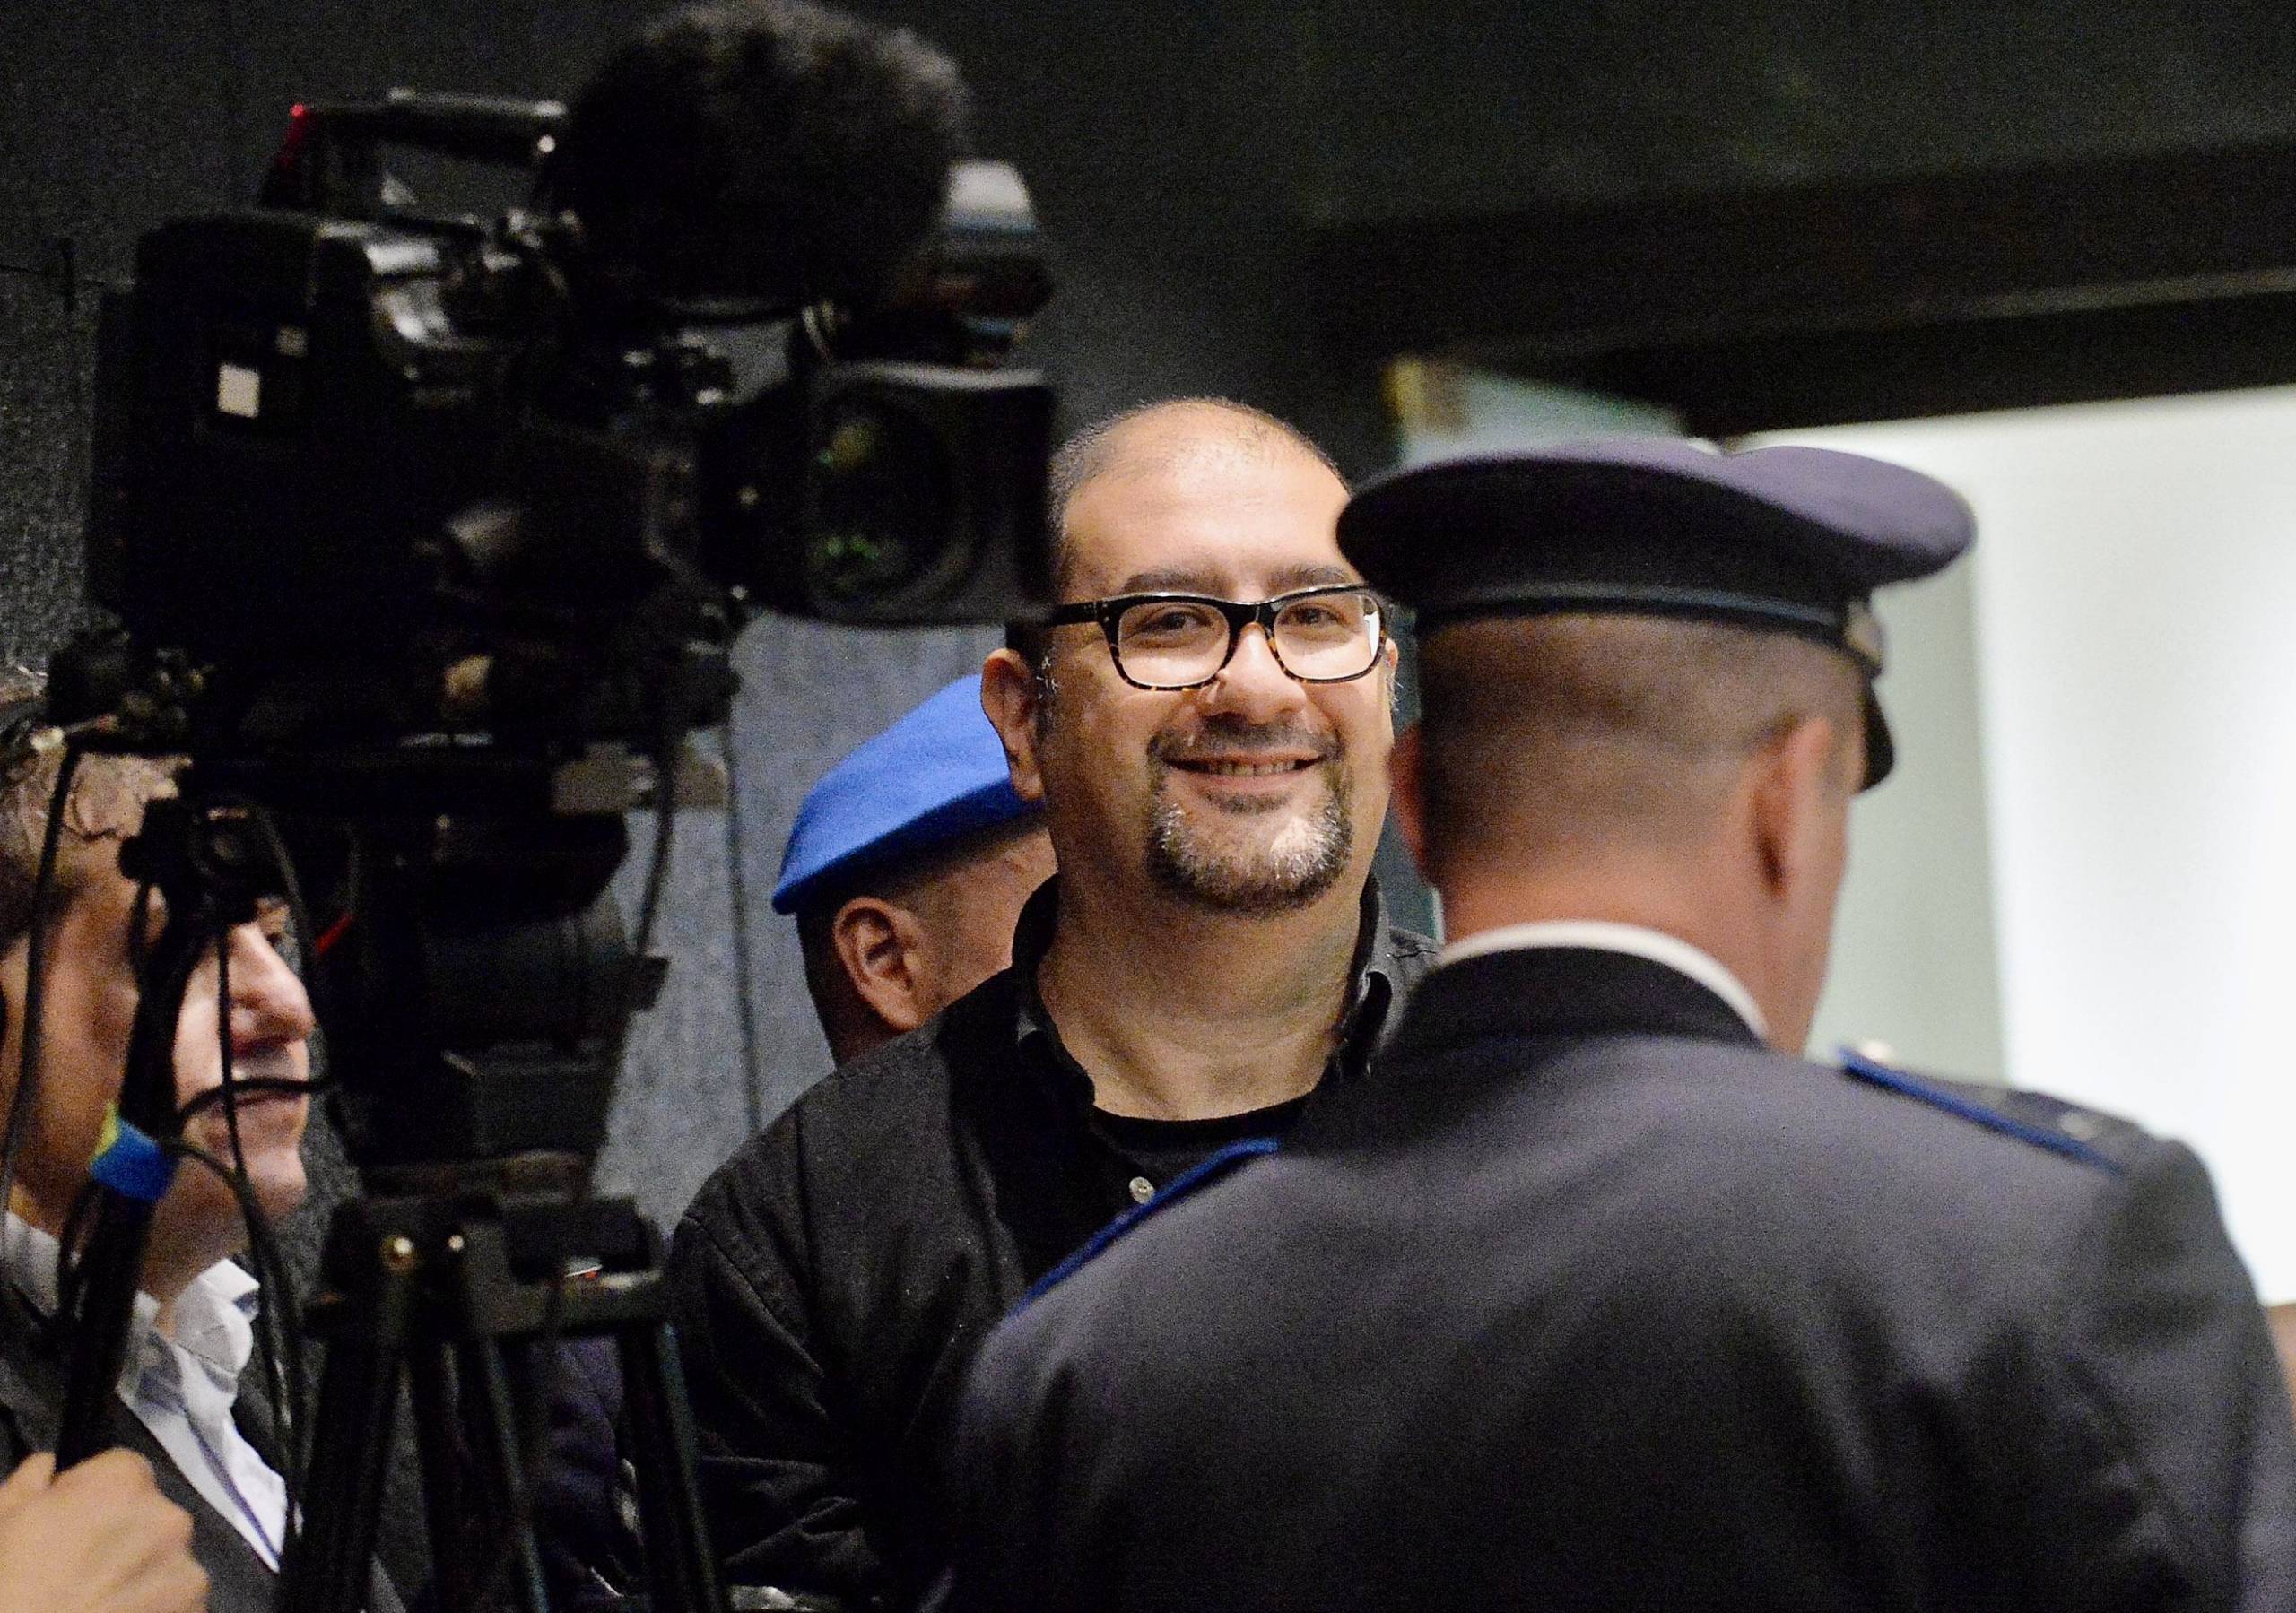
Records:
x=882, y=507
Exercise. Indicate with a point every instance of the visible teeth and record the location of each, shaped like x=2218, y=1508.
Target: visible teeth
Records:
x=268, y=1063
x=1244, y=769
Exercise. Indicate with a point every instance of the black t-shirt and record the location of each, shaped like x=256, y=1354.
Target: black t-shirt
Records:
x=1165, y=1149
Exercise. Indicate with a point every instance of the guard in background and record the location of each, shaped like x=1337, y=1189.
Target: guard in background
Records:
x=906, y=870
x=1597, y=1296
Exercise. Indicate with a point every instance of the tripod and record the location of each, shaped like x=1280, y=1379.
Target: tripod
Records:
x=455, y=1287
x=475, y=1002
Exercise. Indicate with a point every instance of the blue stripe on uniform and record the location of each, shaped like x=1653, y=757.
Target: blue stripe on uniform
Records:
x=1217, y=1163
x=1897, y=1080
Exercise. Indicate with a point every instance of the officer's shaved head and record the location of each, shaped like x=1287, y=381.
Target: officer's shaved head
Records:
x=1553, y=739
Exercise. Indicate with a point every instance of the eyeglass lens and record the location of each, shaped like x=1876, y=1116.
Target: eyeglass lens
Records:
x=1171, y=644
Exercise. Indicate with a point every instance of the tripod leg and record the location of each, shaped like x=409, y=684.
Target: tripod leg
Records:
x=487, y=1396
x=328, y=1560
x=680, y=1570
x=437, y=1444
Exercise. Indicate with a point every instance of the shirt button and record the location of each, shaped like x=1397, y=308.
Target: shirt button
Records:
x=1143, y=1189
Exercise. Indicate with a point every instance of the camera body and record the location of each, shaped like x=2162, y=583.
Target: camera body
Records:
x=364, y=474
x=428, y=536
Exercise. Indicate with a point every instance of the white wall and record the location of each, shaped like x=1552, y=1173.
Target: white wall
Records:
x=2135, y=593
x=1914, y=963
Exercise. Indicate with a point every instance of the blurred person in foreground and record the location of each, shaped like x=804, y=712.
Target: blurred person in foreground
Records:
x=1205, y=721
x=208, y=1436
x=1596, y=1295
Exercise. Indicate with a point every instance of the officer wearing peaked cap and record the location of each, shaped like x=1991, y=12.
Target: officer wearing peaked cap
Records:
x=1598, y=1296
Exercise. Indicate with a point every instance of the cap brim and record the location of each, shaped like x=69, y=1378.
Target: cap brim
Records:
x=1880, y=748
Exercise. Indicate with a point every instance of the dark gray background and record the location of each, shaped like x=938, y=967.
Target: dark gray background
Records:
x=1178, y=150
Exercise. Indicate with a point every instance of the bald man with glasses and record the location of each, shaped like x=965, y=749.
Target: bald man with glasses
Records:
x=1212, y=763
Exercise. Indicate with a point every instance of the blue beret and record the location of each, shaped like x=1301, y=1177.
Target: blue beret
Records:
x=1791, y=539
x=933, y=777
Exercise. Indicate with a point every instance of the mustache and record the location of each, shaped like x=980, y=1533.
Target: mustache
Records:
x=1230, y=737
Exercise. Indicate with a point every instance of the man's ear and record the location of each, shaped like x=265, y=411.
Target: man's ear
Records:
x=1797, y=788
x=881, y=948
x=1011, y=695
x=1408, y=797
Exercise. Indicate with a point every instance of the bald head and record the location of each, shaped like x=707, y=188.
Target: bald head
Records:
x=1156, y=438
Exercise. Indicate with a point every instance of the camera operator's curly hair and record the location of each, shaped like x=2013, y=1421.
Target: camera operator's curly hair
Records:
x=108, y=794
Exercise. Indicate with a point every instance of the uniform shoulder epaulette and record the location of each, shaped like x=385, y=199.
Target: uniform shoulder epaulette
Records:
x=2032, y=1117
x=1208, y=1169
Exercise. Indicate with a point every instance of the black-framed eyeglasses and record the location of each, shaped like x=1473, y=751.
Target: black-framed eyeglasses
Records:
x=1165, y=641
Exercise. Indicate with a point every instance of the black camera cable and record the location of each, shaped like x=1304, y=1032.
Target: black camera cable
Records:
x=279, y=1322
x=278, y=1339
x=272, y=1275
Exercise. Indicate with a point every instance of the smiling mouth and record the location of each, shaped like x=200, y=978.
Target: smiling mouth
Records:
x=261, y=1064
x=1245, y=769
x=250, y=1102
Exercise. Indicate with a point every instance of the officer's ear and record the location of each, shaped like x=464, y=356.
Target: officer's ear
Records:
x=880, y=945
x=1798, y=804
x=1406, y=795
x=1012, y=696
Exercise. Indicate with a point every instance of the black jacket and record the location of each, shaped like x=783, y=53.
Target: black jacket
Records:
x=831, y=1280
x=1586, y=1301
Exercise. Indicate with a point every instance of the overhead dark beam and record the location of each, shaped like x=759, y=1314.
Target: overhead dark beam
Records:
x=2074, y=281
x=1836, y=378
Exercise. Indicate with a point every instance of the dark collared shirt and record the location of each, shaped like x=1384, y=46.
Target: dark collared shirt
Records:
x=832, y=1279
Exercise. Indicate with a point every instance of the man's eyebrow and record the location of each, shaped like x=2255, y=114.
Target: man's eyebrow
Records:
x=1169, y=579
x=1312, y=576
x=1174, y=579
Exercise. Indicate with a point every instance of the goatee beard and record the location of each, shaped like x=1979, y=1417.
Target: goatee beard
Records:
x=1296, y=866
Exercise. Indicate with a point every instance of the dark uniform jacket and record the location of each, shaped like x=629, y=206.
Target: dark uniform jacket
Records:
x=831, y=1281
x=31, y=1408
x=1585, y=1300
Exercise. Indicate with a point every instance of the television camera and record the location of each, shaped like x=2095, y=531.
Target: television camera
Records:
x=427, y=534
